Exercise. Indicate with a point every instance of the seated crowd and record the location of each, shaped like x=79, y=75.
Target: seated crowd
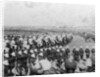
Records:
x=45, y=54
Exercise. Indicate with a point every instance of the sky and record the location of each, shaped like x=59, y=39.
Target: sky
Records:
x=39, y=14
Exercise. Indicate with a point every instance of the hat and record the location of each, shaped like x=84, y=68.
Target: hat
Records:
x=12, y=42
x=25, y=51
x=53, y=47
x=6, y=55
x=41, y=54
x=60, y=46
x=25, y=42
x=27, y=46
x=87, y=50
x=31, y=51
x=13, y=54
x=6, y=49
x=33, y=55
x=77, y=49
x=35, y=50
x=5, y=62
x=49, y=48
x=93, y=50
x=63, y=49
x=15, y=46
x=30, y=41
x=58, y=50
x=41, y=49
x=45, y=49
x=6, y=41
x=34, y=37
x=20, y=52
x=21, y=39
x=56, y=46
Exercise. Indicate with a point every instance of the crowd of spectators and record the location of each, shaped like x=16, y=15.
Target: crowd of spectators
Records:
x=45, y=54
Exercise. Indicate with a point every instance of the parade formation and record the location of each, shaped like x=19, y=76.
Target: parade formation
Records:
x=45, y=54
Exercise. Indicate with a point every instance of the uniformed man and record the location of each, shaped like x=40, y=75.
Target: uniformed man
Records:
x=88, y=59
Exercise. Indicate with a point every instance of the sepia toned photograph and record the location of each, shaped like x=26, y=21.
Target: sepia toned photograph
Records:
x=42, y=38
